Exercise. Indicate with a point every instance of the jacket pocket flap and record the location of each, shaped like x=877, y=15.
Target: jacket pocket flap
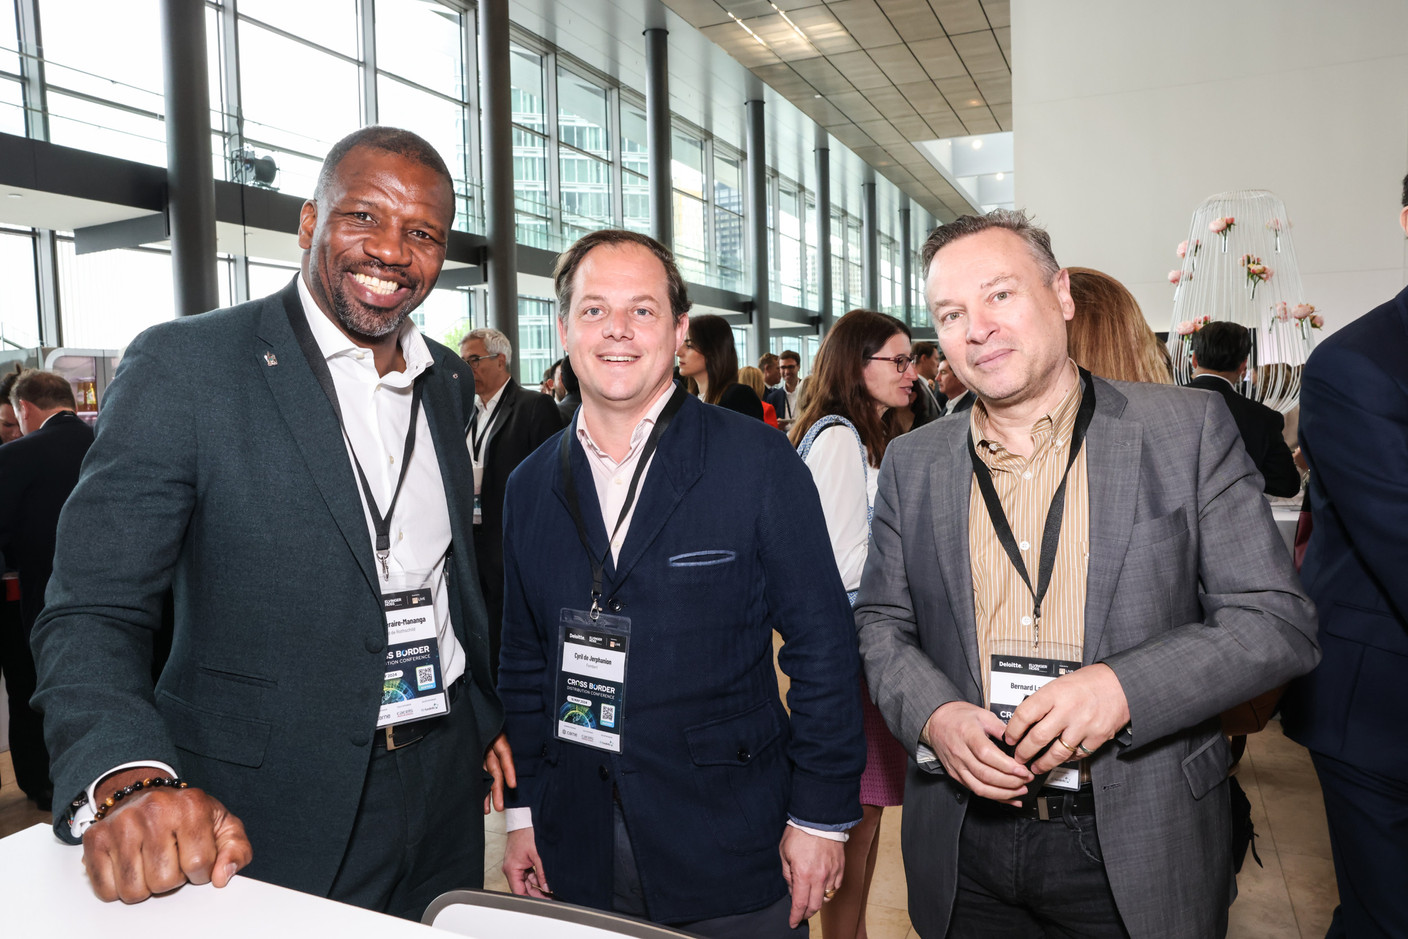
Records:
x=1154, y=530
x=207, y=733
x=733, y=740
x=1207, y=766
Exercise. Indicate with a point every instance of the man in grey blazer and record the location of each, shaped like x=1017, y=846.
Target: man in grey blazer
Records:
x=293, y=471
x=1188, y=605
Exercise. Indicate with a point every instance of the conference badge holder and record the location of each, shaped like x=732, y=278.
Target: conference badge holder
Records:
x=1016, y=670
x=413, y=686
x=591, y=680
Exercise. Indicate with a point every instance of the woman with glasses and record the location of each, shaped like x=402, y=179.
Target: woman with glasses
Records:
x=861, y=376
x=709, y=366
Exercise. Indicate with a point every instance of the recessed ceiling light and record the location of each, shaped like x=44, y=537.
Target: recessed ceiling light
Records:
x=978, y=143
x=816, y=96
x=15, y=195
x=999, y=176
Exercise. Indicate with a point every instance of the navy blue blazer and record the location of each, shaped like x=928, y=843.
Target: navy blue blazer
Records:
x=727, y=543
x=219, y=472
x=1354, y=435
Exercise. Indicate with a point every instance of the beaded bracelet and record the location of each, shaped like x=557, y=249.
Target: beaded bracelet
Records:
x=171, y=782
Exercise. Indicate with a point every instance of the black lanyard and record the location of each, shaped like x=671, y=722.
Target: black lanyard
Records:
x=1051, y=534
x=477, y=437
x=380, y=524
x=672, y=408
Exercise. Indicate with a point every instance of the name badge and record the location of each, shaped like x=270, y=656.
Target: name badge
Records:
x=478, y=482
x=1011, y=678
x=413, y=686
x=591, y=680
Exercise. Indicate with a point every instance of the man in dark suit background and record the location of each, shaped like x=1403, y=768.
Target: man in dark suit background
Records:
x=712, y=803
x=37, y=473
x=1351, y=711
x=237, y=462
x=509, y=423
x=954, y=395
x=1220, y=352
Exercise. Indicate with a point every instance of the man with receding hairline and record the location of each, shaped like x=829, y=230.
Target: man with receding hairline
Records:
x=293, y=470
x=1109, y=580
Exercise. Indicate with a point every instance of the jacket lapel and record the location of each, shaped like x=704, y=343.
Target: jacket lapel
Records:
x=950, y=484
x=678, y=464
x=1112, y=454
x=309, y=416
x=585, y=488
x=444, y=416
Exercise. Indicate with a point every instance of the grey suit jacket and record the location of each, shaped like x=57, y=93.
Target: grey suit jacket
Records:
x=1191, y=599
x=219, y=472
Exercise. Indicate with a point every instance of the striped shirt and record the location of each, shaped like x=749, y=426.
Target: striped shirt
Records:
x=1002, y=604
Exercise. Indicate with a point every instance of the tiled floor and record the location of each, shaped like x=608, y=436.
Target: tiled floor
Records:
x=1291, y=896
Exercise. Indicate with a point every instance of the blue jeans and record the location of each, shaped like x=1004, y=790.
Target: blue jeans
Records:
x=1020, y=877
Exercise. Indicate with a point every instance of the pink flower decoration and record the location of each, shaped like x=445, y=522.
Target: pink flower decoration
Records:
x=1303, y=310
x=1175, y=276
x=1317, y=321
x=1283, y=312
x=1217, y=225
x=1183, y=249
x=1186, y=328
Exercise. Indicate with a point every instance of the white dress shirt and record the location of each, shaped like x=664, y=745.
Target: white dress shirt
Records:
x=847, y=489
x=376, y=412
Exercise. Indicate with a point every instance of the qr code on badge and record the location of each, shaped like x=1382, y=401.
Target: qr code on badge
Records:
x=425, y=677
x=608, y=715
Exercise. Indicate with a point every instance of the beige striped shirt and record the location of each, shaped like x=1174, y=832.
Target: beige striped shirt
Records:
x=1002, y=604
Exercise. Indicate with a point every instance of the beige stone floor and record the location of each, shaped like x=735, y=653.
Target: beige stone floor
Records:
x=1292, y=896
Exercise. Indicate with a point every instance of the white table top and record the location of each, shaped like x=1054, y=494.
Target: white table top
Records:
x=44, y=892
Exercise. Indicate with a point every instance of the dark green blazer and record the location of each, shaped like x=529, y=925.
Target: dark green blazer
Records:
x=219, y=472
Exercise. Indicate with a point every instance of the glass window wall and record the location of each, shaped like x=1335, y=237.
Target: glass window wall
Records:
x=19, y=303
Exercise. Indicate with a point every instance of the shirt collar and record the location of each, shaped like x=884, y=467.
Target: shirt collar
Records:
x=493, y=402
x=642, y=429
x=1051, y=429
x=334, y=343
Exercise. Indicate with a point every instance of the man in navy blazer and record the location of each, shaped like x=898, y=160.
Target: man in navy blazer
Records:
x=668, y=798
x=221, y=472
x=1351, y=711
x=37, y=473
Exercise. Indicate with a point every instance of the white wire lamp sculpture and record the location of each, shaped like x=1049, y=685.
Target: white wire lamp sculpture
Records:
x=1239, y=265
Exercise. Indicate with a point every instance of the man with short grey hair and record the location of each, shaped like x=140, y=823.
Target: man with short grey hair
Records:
x=509, y=423
x=1109, y=581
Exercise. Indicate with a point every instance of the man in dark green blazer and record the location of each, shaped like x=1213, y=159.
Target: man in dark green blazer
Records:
x=236, y=464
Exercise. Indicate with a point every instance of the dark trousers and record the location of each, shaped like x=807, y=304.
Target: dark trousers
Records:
x=419, y=829
x=27, y=750
x=1021, y=878
x=768, y=923
x=1368, y=819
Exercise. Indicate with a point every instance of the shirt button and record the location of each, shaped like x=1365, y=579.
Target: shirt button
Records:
x=617, y=480
x=1024, y=545
x=391, y=459
x=1027, y=474
x=1026, y=621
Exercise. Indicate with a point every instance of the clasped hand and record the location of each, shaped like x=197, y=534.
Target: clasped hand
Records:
x=1068, y=718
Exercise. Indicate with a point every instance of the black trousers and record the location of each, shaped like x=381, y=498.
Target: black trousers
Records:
x=27, y=750
x=1020, y=878
x=419, y=830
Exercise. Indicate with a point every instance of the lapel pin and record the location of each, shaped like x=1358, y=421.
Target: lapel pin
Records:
x=271, y=359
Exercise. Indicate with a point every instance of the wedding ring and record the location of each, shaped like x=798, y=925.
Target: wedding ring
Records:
x=1065, y=744
x=830, y=893
x=1083, y=751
